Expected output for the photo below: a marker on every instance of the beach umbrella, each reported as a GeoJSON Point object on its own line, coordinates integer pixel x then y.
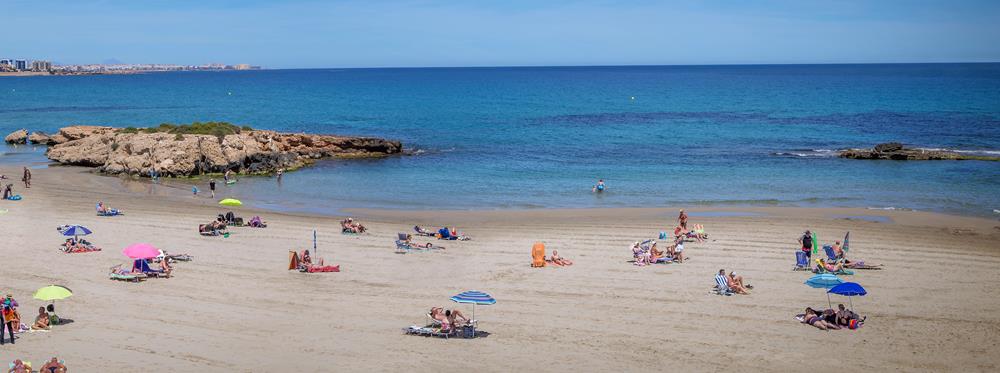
{"type": "Point", "coordinates": [849, 290]}
{"type": "Point", "coordinates": [824, 281]}
{"type": "Point", "coordinates": [53, 292]}
{"type": "Point", "coordinates": [815, 244]}
{"type": "Point", "coordinates": [230, 202]}
{"type": "Point", "coordinates": [76, 230]}
{"type": "Point", "coordinates": [474, 297]}
{"type": "Point", "coordinates": [846, 247]}
{"type": "Point", "coordinates": [141, 251]}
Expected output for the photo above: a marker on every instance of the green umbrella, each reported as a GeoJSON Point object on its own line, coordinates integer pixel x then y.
{"type": "Point", "coordinates": [53, 292]}
{"type": "Point", "coordinates": [230, 202]}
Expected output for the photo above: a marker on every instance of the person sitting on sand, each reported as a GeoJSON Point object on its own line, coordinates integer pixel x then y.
{"type": "Point", "coordinates": [844, 316]}
{"type": "Point", "coordinates": [42, 320]}
{"type": "Point", "coordinates": [558, 260]}
{"type": "Point", "coordinates": [349, 226]}
{"type": "Point", "coordinates": [53, 366]}
{"type": "Point", "coordinates": [813, 318]}
{"type": "Point", "coordinates": [454, 315]}
{"type": "Point", "coordinates": [101, 208]}
{"type": "Point", "coordinates": [641, 256]}
{"type": "Point", "coordinates": [736, 284]}
{"type": "Point", "coordinates": [53, 318]}
{"type": "Point", "coordinates": [165, 267]}
{"type": "Point", "coordinates": [654, 253]}
{"type": "Point", "coordinates": [18, 366]}
{"type": "Point", "coordinates": [306, 258]}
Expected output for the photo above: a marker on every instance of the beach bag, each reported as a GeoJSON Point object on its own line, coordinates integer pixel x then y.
{"type": "Point", "coordinates": [663, 235]}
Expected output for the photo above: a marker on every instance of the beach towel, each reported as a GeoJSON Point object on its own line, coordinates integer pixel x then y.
{"type": "Point", "coordinates": [314, 268]}
{"type": "Point", "coordinates": [538, 255]}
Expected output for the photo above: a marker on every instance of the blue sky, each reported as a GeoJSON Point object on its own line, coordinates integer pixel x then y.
{"type": "Point", "coordinates": [378, 33]}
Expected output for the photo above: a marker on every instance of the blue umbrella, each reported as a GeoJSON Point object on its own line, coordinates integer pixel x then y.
{"type": "Point", "coordinates": [825, 281]}
{"type": "Point", "coordinates": [474, 297]}
{"type": "Point", "coordinates": [76, 230]}
{"type": "Point", "coordinates": [849, 290]}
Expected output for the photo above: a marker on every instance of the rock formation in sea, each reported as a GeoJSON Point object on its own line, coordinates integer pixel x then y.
{"type": "Point", "coordinates": [17, 137]}
{"type": "Point", "coordinates": [897, 151]}
{"type": "Point", "coordinates": [121, 151]}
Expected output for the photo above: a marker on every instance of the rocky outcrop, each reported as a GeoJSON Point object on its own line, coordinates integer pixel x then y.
{"type": "Point", "coordinates": [250, 152]}
{"type": "Point", "coordinates": [896, 151]}
{"type": "Point", "coordinates": [40, 138]}
{"type": "Point", "coordinates": [17, 137]}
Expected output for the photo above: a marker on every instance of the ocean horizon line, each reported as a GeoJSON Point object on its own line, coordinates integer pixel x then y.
{"type": "Point", "coordinates": [629, 65]}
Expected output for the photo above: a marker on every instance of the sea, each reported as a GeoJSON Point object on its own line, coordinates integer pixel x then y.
{"type": "Point", "coordinates": [541, 137]}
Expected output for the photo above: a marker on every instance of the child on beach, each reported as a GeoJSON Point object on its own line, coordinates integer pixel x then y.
{"type": "Point", "coordinates": [194, 190]}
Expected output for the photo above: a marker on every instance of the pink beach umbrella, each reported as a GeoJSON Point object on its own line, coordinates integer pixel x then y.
{"type": "Point", "coordinates": [141, 251]}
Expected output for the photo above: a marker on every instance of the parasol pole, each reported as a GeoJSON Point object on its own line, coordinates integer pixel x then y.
{"type": "Point", "coordinates": [315, 250]}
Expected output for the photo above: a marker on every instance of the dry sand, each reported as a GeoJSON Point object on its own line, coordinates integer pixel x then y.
{"type": "Point", "coordinates": [235, 308]}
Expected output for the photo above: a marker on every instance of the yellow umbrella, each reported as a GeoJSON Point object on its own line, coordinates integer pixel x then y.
{"type": "Point", "coordinates": [53, 292]}
{"type": "Point", "coordinates": [230, 202]}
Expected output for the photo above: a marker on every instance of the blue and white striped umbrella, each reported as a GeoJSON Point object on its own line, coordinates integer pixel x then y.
{"type": "Point", "coordinates": [76, 230]}
{"type": "Point", "coordinates": [474, 297]}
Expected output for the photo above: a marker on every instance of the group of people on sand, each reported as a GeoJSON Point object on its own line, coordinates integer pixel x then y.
{"type": "Point", "coordinates": [833, 264]}
{"type": "Point", "coordinates": [214, 228]}
{"type": "Point", "coordinates": [74, 245]}
{"type": "Point", "coordinates": [449, 319]}
{"type": "Point", "coordinates": [831, 319]}
{"type": "Point", "coordinates": [731, 284]}
{"type": "Point", "coordinates": [54, 365]}
{"type": "Point", "coordinates": [12, 323]}
{"type": "Point", "coordinates": [105, 210]}
{"type": "Point", "coordinates": [350, 226]}
{"type": "Point", "coordinates": [646, 252]}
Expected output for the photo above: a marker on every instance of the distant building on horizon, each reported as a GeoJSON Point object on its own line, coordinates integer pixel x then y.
{"type": "Point", "coordinates": [243, 66]}
{"type": "Point", "coordinates": [20, 65]}
{"type": "Point", "coordinates": [41, 66]}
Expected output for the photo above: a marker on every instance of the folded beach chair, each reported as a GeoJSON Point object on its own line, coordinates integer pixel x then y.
{"type": "Point", "coordinates": [801, 261]}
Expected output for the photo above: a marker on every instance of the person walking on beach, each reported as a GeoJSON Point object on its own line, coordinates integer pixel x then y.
{"type": "Point", "coordinates": [211, 186]}
{"type": "Point", "coordinates": [194, 190]}
{"type": "Point", "coordinates": [10, 319]}
{"type": "Point", "coordinates": [807, 243]}
{"type": "Point", "coordinates": [682, 220]}
{"type": "Point", "coordinates": [26, 178]}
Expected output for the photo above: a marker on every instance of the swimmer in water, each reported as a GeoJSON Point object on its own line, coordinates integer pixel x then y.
{"type": "Point", "coordinates": [599, 187]}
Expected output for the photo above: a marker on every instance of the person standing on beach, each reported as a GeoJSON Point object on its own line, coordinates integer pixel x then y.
{"type": "Point", "coordinates": [211, 186]}
{"type": "Point", "coordinates": [682, 220]}
{"type": "Point", "coordinates": [10, 319]}
{"type": "Point", "coordinates": [26, 178]}
{"type": "Point", "coordinates": [807, 243]}
{"type": "Point", "coordinates": [194, 190]}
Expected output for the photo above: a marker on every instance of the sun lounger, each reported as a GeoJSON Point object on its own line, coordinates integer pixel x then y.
{"type": "Point", "coordinates": [830, 254]}
{"type": "Point", "coordinates": [117, 273]}
{"type": "Point", "coordinates": [721, 286]}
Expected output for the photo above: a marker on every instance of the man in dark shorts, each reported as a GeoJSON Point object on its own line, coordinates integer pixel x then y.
{"type": "Point", "coordinates": [211, 186]}
{"type": "Point", "coordinates": [807, 243]}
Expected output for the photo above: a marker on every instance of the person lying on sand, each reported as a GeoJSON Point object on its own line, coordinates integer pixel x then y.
{"type": "Point", "coordinates": [831, 267]}
{"type": "Point", "coordinates": [42, 320]}
{"type": "Point", "coordinates": [558, 260]}
{"type": "Point", "coordinates": [736, 284]}
{"type": "Point", "coordinates": [813, 318]}
{"type": "Point", "coordinates": [101, 208]}
{"type": "Point", "coordinates": [448, 318]}
{"type": "Point", "coordinates": [53, 366]}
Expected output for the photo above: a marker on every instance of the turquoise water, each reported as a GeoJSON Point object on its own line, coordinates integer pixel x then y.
{"type": "Point", "coordinates": [540, 137]}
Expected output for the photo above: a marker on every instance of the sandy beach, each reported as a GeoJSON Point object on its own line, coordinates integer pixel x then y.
{"type": "Point", "coordinates": [235, 307]}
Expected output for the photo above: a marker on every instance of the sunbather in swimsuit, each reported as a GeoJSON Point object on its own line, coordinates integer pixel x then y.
{"type": "Point", "coordinates": [831, 267]}
{"type": "Point", "coordinates": [736, 284]}
{"type": "Point", "coordinates": [558, 260]}
{"type": "Point", "coordinates": [53, 366]}
{"type": "Point", "coordinates": [42, 320]}
{"type": "Point", "coordinates": [654, 254]}
{"type": "Point", "coordinates": [813, 318]}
